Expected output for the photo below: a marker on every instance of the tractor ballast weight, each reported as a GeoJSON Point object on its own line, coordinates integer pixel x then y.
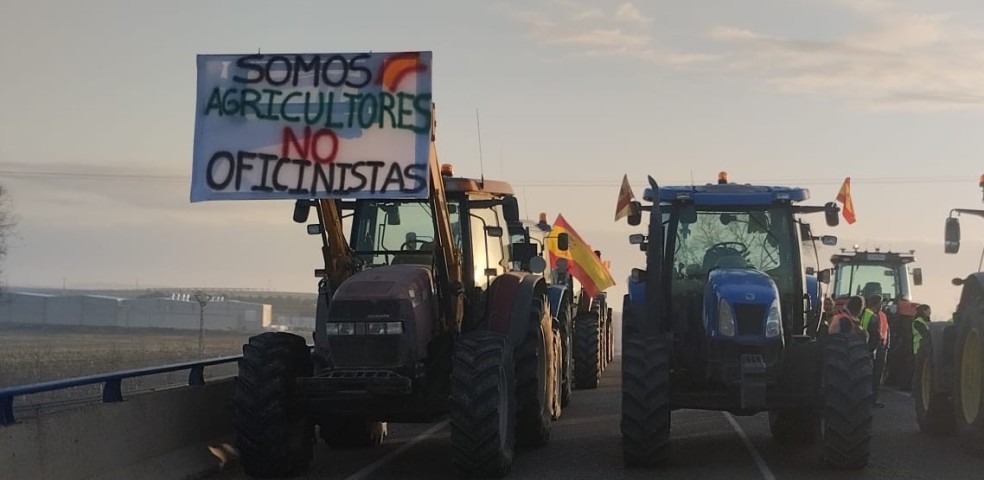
{"type": "Point", "coordinates": [717, 321]}
{"type": "Point", "coordinates": [418, 316]}
{"type": "Point", "coordinates": [948, 385]}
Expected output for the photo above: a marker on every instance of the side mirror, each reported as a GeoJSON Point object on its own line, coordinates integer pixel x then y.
{"type": "Point", "coordinates": [828, 240]}
{"type": "Point", "coordinates": [635, 214]}
{"type": "Point", "coordinates": [831, 213]}
{"type": "Point", "coordinates": [392, 215]}
{"type": "Point", "coordinates": [823, 276]}
{"type": "Point", "coordinates": [636, 239]}
{"type": "Point", "coordinates": [917, 276]}
{"type": "Point", "coordinates": [951, 235]}
{"type": "Point", "coordinates": [493, 231]}
{"type": "Point", "coordinates": [510, 209]}
{"type": "Point", "coordinates": [314, 229]}
{"type": "Point", "coordinates": [301, 210]}
{"type": "Point", "coordinates": [563, 241]}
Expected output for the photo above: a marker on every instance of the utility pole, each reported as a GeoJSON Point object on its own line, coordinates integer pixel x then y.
{"type": "Point", "coordinates": [203, 299]}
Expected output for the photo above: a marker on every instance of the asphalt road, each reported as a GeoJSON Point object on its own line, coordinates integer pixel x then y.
{"type": "Point", "coordinates": [585, 444]}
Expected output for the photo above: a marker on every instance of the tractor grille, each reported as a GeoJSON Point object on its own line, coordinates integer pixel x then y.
{"type": "Point", "coordinates": [365, 350]}
{"type": "Point", "coordinates": [750, 318]}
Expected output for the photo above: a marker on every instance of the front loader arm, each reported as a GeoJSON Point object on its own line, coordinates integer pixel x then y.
{"type": "Point", "coordinates": [338, 257]}
{"type": "Point", "coordinates": [448, 255]}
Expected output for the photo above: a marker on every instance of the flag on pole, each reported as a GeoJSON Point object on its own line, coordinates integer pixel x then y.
{"type": "Point", "coordinates": [583, 264]}
{"type": "Point", "coordinates": [844, 196]}
{"type": "Point", "coordinates": [625, 196]}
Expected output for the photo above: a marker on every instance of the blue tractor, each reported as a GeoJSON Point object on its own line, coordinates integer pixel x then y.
{"type": "Point", "coordinates": [719, 319]}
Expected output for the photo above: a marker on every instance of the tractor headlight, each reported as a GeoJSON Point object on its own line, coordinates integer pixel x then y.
{"type": "Point", "coordinates": [340, 328]}
{"type": "Point", "coordinates": [726, 319]}
{"type": "Point", "coordinates": [384, 328]}
{"type": "Point", "coordinates": [773, 323]}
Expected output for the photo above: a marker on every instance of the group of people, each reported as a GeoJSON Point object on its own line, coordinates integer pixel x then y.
{"type": "Point", "coordinates": [866, 316]}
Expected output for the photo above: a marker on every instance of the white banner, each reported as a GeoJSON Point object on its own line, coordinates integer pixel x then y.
{"type": "Point", "coordinates": [284, 126]}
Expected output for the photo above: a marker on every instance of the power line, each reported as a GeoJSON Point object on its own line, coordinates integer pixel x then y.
{"type": "Point", "coordinates": [151, 177]}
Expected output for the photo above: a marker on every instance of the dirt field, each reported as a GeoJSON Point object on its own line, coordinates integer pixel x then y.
{"type": "Point", "coordinates": [37, 354]}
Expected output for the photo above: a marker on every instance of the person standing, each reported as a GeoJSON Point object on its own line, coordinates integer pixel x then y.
{"type": "Point", "coordinates": [848, 320]}
{"type": "Point", "coordinates": [875, 322]}
{"type": "Point", "coordinates": [920, 327]}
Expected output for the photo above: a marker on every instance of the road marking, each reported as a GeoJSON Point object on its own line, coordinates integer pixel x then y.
{"type": "Point", "coordinates": [759, 461]}
{"type": "Point", "coordinates": [899, 392]}
{"type": "Point", "coordinates": [372, 467]}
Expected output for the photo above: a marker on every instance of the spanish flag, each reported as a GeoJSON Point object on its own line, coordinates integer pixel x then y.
{"type": "Point", "coordinates": [844, 196]}
{"type": "Point", "coordinates": [625, 196]}
{"type": "Point", "coordinates": [584, 265]}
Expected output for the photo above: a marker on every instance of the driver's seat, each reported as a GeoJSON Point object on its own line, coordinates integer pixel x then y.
{"type": "Point", "coordinates": [723, 258]}
{"type": "Point", "coordinates": [425, 257]}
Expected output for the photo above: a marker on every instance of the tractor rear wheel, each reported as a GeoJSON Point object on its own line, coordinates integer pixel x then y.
{"type": "Point", "coordinates": [610, 341]}
{"type": "Point", "coordinates": [645, 399]}
{"type": "Point", "coordinates": [532, 372]}
{"type": "Point", "coordinates": [274, 434]}
{"type": "Point", "coordinates": [848, 400]}
{"type": "Point", "coordinates": [587, 355]}
{"type": "Point", "coordinates": [352, 432]}
{"type": "Point", "coordinates": [968, 395]}
{"type": "Point", "coordinates": [934, 411]}
{"type": "Point", "coordinates": [567, 355]}
{"type": "Point", "coordinates": [483, 405]}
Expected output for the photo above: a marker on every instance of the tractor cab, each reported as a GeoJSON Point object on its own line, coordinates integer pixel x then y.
{"type": "Point", "coordinates": [866, 273]}
{"type": "Point", "coordinates": [727, 277]}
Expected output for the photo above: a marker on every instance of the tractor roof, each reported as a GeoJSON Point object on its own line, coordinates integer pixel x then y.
{"type": "Point", "coordinates": [889, 258]}
{"type": "Point", "coordinates": [729, 194]}
{"type": "Point", "coordinates": [471, 185]}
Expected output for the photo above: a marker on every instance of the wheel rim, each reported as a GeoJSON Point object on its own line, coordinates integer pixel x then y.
{"type": "Point", "coordinates": [970, 377]}
{"type": "Point", "coordinates": [926, 385]}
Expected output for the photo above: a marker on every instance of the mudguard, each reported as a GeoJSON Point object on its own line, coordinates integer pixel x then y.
{"type": "Point", "coordinates": [973, 288]}
{"type": "Point", "coordinates": [509, 299]}
{"type": "Point", "coordinates": [942, 337]}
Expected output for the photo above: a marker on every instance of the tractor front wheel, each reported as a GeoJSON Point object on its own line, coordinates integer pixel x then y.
{"type": "Point", "coordinates": [274, 434]}
{"type": "Point", "coordinates": [848, 399]}
{"type": "Point", "coordinates": [483, 405]}
{"type": "Point", "coordinates": [645, 399]}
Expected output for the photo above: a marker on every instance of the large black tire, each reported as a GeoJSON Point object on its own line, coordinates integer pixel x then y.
{"type": "Point", "coordinates": [533, 415]}
{"type": "Point", "coordinates": [483, 405]}
{"type": "Point", "coordinates": [274, 434]}
{"type": "Point", "coordinates": [567, 356]}
{"type": "Point", "coordinates": [848, 399]}
{"type": "Point", "coordinates": [352, 432]}
{"type": "Point", "coordinates": [610, 341]}
{"type": "Point", "coordinates": [934, 411]}
{"type": "Point", "coordinates": [587, 354]}
{"type": "Point", "coordinates": [557, 408]}
{"type": "Point", "coordinates": [968, 394]}
{"type": "Point", "coordinates": [645, 421]}
{"type": "Point", "coordinates": [795, 426]}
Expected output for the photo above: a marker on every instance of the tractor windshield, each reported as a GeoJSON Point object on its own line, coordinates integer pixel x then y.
{"type": "Point", "coordinates": [865, 280]}
{"type": "Point", "coordinates": [759, 239]}
{"type": "Point", "coordinates": [397, 232]}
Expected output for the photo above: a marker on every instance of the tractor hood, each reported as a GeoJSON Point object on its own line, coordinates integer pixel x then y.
{"type": "Point", "coordinates": [395, 282]}
{"type": "Point", "coordinates": [750, 294]}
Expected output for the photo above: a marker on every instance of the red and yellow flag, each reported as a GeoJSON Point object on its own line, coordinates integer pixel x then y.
{"type": "Point", "coordinates": [625, 196]}
{"type": "Point", "coordinates": [583, 264]}
{"type": "Point", "coordinates": [844, 196]}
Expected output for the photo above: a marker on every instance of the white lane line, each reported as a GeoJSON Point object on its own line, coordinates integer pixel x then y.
{"type": "Point", "coordinates": [372, 467]}
{"type": "Point", "coordinates": [899, 392]}
{"type": "Point", "coordinates": [759, 461]}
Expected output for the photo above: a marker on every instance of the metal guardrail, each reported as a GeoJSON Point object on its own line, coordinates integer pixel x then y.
{"type": "Point", "coordinates": [112, 383]}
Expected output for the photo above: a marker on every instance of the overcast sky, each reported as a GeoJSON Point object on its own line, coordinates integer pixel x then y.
{"type": "Point", "coordinates": [98, 111]}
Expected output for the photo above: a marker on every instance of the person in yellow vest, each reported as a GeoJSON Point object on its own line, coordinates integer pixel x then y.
{"type": "Point", "coordinates": [847, 320]}
{"type": "Point", "coordinates": [875, 322]}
